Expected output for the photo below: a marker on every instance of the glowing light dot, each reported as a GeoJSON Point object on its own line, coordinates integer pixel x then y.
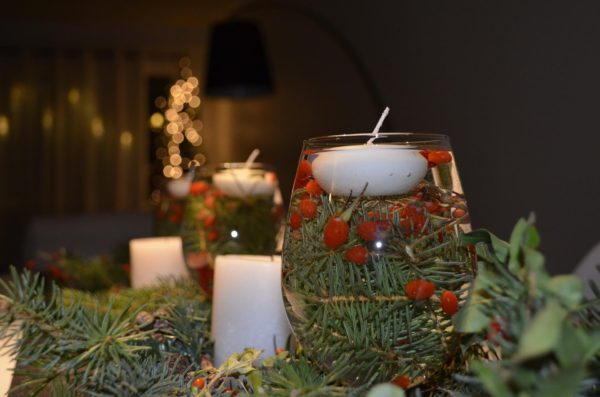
{"type": "Point", "coordinates": [195, 101]}
{"type": "Point", "coordinates": [186, 72]}
{"type": "Point", "coordinates": [378, 244]}
{"type": "Point", "coordinates": [175, 159]}
{"type": "Point", "coordinates": [178, 138]}
{"type": "Point", "coordinates": [234, 234]}
{"type": "Point", "coordinates": [126, 138]}
{"type": "Point", "coordinates": [156, 120]}
{"type": "Point", "coordinates": [97, 127]}
{"type": "Point", "coordinates": [4, 126]}
{"type": "Point", "coordinates": [184, 62]}
{"type": "Point", "coordinates": [174, 149]}
{"type": "Point", "coordinates": [167, 170]}
{"type": "Point", "coordinates": [176, 172]}
{"type": "Point", "coordinates": [73, 96]}
{"type": "Point", "coordinates": [172, 128]}
{"type": "Point", "coordinates": [160, 102]}
{"type": "Point", "coordinates": [171, 115]}
{"type": "Point", "coordinates": [47, 119]}
{"type": "Point", "coordinates": [200, 158]}
{"type": "Point", "coordinates": [193, 81]}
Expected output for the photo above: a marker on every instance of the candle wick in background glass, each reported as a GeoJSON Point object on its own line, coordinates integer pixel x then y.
{"type": "Point", "coordinates": [251, 158]}
{"type": "Point", "coordinates": [386, 111]}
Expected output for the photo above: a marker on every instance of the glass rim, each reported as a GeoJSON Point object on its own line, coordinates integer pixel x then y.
{"type": "Point", "coordinates": [411, 138]}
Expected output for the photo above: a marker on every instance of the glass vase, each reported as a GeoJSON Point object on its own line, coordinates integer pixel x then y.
{"type": "Point", "coordinates": [231, 210]}
{"type": "Point", "coordinates": [374, 267]}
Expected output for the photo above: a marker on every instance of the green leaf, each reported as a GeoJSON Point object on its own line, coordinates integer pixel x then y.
{"type": "Point", "coordinates": [564, 383]}
{"type": "Point", "coordinates": [543, 334]}
{"type": "Point", "coordinates": [573, 348]}
{"type": "Point", "coordinates": [491, 379]}
{"type": "Point", "coordinates": [516, 241]}
{"type": "Point", "coordinates": [500, 247]}
{"type": "Point", "coordinates": [386, 390]}
{"type": "Point", "coordinates": [567, 289]}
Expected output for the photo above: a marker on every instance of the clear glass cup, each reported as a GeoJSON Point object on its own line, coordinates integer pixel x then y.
{"type": "Point", "coordinates": [373, 264]}
{"type": "Point", "coordinates": [231, 210]}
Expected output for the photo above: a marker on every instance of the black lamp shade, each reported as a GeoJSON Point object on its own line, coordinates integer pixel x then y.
{"type": "Point", "coordinates": [237, 64]}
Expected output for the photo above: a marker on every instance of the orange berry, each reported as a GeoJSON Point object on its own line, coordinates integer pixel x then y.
{"type": "Point", "coordinates": [308, 208]}
{"type": "Point", "coordinates": [295, 221]}
{"type": "Point", "coordinates": [458, 213]}
{"type": "Point", "coordinates": [199, 187]}
{"type": "Point", "coordinates": [438, 157]}
{"type": "Point", "coordinates": [303, 174]}
{"type": "Point", "coordinates": [313, 188]}
{"type": "Point", "coordinates": [358, 255]}
{"type": "Point", "coordinates": [198, 383]}
{"type": "Point", "coordinates": [449, 302]}
{"type": "Point", "coordinates": [335, 232]}
{"type": "Point", "coordinates": [402, 381]}
{"type": "Point", "coordinates": [419, 289]}
{"type": "Point", "coordinates": [213, 235]}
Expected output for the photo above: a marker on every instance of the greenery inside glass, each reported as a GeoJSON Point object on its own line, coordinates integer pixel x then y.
{"type": "Point", "coordinates": [373, 263]}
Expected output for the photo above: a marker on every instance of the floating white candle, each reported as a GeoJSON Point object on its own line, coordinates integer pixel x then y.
{"type": "Point", "coordinates": [156, 258]}
{"type": "Point", "coordinates": [244, 182]}
{"type": "Point", "coordinates": [248, 305]}
{"type": "Point", "coordinates": [388, 169]}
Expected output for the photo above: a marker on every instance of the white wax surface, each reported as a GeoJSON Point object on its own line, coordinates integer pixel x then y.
{"type": "Point", "coordinates": [156, 258]}
{"type": "Point", "coordinates": [179, 188]}
{"type": "Point", "coordinates": [244, 182]}
{"type": "Point", "coordinates": [248, 306]}
{"type": "Point", "coordinates": [388, 169]}
{"type": "Point", "coordinates": [7, 364]}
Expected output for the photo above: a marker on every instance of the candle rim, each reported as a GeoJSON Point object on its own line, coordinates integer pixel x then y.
{"type": "Point", "coordinates": [418, 139]}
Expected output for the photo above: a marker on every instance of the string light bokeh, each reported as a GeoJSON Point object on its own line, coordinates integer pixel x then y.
{"type": "Point", "coordinates": [179, 124]}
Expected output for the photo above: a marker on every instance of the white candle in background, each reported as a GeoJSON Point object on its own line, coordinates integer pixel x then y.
{"type": "Point", "coordinates": [244, 182]}
{"type": "Point", "coordinates": [156, 258]}
{"type": "Point", "coordinates": [388, 169]}
{"type": "Point", "coordinates": [248, 306]}
{"type": "Point", "coordinates": [7, 362]}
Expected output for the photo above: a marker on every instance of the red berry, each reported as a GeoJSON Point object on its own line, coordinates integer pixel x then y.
{"type": "Point", "coordinates": [295, 221]}
{"type": "Point", "coordinates": [335, 232]}
{"type": "Point", "coordinates": [279, 350]}
{"type": "Point", "coordinates": [213, 235]}
{"type": "Point", "coordinates": [439, 157]}
{"type": "Point", "coordinates": [413, 219]}
{"type": "Point", "coordinates": [198, 383]}
{"type": "Point", "coordinates": [303, 174]}
{"type": "Point", "coordinates": [432, 206]}
{"type": "Point", "coordinates": [308, 208]}
{"type": "Point", "coordinates": [199, 187]}
{"type": "Point", "coordinates": [419, 289]}
{"type": "Point", "coordinates": [458, 213]}
{"type": "Point", "coordinates": [371, 231]}
{"type": "Point", "coordinates": [402, 381]}
{"type": "Point", "coordinates": [358, 255]}
{"type": "Point", "coordinates": [313, 188]}
{"type": "Point", "coordinates": [449, 302]}
{"type": "Point", "coordinates": [209, 221]}
{"type": "Point", "coordinates": [210, 201]}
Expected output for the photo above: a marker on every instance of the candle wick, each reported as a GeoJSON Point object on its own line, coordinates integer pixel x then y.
{"type": "Point", "coordinates": [251, 158]}
{"type": "Point", "coordinates": [386, 111]}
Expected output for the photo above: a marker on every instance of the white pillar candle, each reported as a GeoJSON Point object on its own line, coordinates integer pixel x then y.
{"type": "Point", "coordinates": [388, 169]}
{"type": "Point", "coordinates": [248, 306]}
{"type": "Point", "coordinates": [156, 258]}
{"type": "Point", "coordinates": [243, 182]}
{"type": "Point", "coordinates": [7, 361]}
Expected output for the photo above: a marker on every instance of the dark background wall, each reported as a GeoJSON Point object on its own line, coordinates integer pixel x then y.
{"type": "Point", "coordinates": [514, 83]}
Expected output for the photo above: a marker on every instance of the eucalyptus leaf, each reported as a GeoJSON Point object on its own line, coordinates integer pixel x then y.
{"type": "Point", "coordinates": [568, 289]}
{"type": "Point", "coordinates": [386, 390]}
{"type": "Point", "coordinates": [516, 242]}
{"type": "Point", "coordinates": [492, 380]}
{"type": "Point", "coordinates": [573, 347]}
{"type": "Point", "coordinates": [543, 333]}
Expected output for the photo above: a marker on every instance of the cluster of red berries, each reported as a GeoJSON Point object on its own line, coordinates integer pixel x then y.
{"type": "Point", "coordinates": [207, 214]}
{"type": "Point", "coordinates": [436, 157]}
{"type": "Point", "coordinates": [421, 289]}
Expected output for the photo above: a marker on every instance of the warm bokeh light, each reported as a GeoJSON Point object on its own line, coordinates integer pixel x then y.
{"type": "Point", "coordinates": [126, 138]}
{"type": "Point", "coordinates": [73, 96]}
{"type": "Point", "coordinates": [97, 127]}
{"type": "Point", "coordinates": [47, 119]}
{"type": "Point", "coordinates": [156, 120]}
{"type": "Point", "coordinates": [4, 126]}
